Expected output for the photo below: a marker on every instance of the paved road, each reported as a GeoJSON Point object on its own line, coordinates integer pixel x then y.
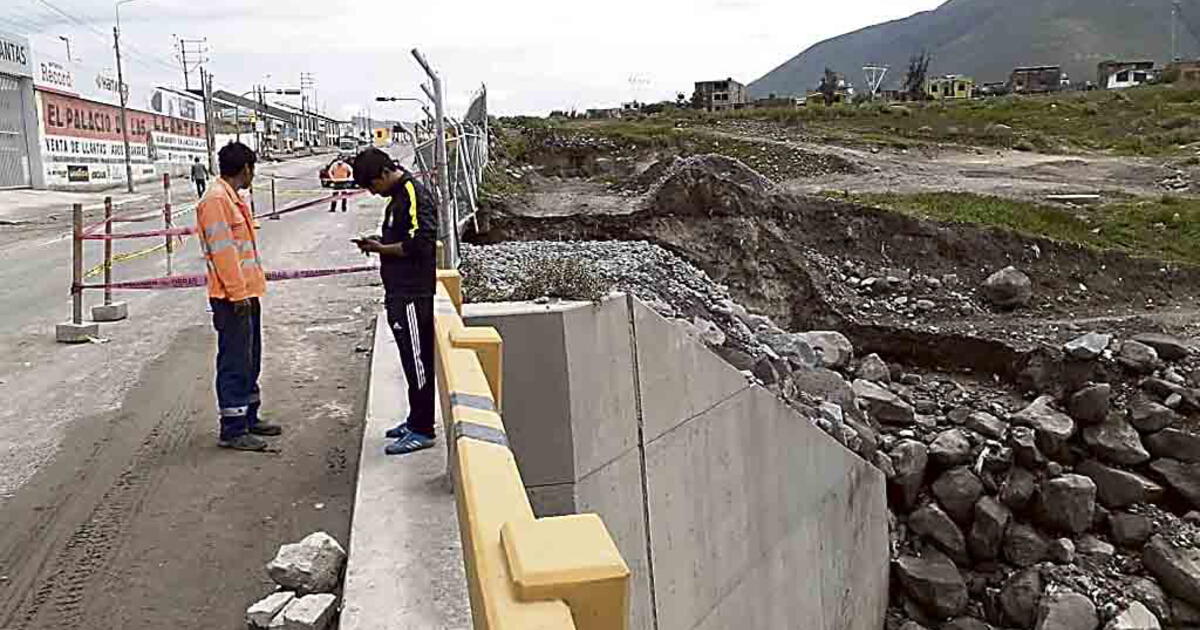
{"type": "Point", "coordinates": [116, 509]}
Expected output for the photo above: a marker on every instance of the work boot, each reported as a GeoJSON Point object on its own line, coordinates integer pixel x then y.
{"type": "Point", "coordinates": [263, 427]}
{"type": "Point", "coordinates": [244, 442]}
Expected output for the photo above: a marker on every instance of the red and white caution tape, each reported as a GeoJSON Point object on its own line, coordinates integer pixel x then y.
{"type": "Point", "coordinates": [193, 281]}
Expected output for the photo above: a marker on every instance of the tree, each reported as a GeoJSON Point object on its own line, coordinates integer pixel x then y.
{"type": "Point", "coordinates": [680, 99]}
{"type": "Point", "coordinates": [829, 86]}
{"type": "Point", "coordinates": [914, 79]}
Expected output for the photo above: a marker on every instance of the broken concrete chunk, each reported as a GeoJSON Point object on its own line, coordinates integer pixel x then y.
{"type": "Point", "coordinates": [1087, 347]}
{"type": "Point", "coordinates": [260, 613]}
{"type": "Point", "coordinates": [313, 565]}
{"type": "Point", "coordinates": [311, 612]}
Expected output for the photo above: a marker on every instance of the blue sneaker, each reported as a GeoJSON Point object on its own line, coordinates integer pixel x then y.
{"type": "Point", "coordinates": [397, 432]}
{"type": "Point", "coordinates": [410, 443]}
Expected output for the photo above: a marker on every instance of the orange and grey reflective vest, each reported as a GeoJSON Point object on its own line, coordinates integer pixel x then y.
{"type": "Point", "coordinates": [225, 229]}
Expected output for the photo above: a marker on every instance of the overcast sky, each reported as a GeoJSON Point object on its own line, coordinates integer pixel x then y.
{"type": "Point", "coordinates": [534, 55]}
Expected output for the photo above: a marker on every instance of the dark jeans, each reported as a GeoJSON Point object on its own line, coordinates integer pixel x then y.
{"type": "Point", "coordinates": [200, 185]}
{"type": "Point", "coordinates": [333, 204]}
{"type": "Point", "coordinates": [239, 361]}
{"type": "Point", "coordinates": [411, 321]}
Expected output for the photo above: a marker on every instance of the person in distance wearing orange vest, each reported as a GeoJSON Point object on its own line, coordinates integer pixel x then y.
{"type": "Point", "coordinates": [235, 283]}
{"type": "Point", "coordinates": [341, 176]}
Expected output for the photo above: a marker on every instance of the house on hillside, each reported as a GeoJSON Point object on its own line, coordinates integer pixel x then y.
{"type": "Point", "coordinates": [1118, 75]}
{"type": "Point", "coordinates": [716, 96]}
{"type": "Point", "coordinates": [604, 113]}
{"type": "Point", "coordinates": [1183, 72]}
{"type": "Point", "coordinates": [950, 87]}
{"type": "Point", "coordinates": [1037, 79]}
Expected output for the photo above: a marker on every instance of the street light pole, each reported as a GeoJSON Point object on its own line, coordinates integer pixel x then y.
{"type": "Point", "coordinates": [68, 41]}
{"type": "Point", "coordinates": [449, 224]}
{"type": "Point", "coordinates": [123, 93]}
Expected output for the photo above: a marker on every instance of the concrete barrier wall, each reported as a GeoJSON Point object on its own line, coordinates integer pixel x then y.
{"type": "Point", "coordinates": [730, 509]}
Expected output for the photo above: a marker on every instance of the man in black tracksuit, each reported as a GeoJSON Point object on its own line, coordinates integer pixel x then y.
{"type": "Point", "coordinates": [406, 248]}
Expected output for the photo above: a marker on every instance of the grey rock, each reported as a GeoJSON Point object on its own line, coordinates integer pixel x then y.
{"type": "Point", "coordinates": [260, 613]}
{"type": "Point", "coordinates": [313, 565]}
{"type": "Point", "coordinates": [950, 448]}
{"type": "Point", "coordinates": [740, 360]}
{"type": "Point", "coordinates": [1130, 530]}
{"type": "Point", "coordinates": [1174, 401]}
{"type": "Point", "coordinates": [765, 371]}
{"type": "Point", "coordinates": [882, 405]}
{"type": "Point", "coordinates": [933, 582]}
{"type": "Point", "coordinates": [912, 625]}
{"type": "Point", "coordinates": [1053, 428]}
{"type": "Point", "coordinates": [1090, 404]}
{"type": "Point", "coordinates": [1066, 610]}
{"type": "Point", "coordinates": [1183, 614]}
{"type": "Point", "coordinates": [1087, 347]}
{"type": "Point", "coordinates": [1138, 357]}
{"type": "Point", "coordinates": [987, 425]}
{"type": "Point", "coordinates": [1168, 347]}
{"type": "Point", "coordinates": [1020, 597]}
{"type": "Point", "coordinates": [708, 332]}
{"type": "Point", "coordinates": [834, 350]}
{"type": "Point", "coordinates": [1066, 504]}
{"type": "Point", "coordinates": [909, 459]}
{"type": "Point", "coordinates": [1136, 617]}
{"type": "Point", "coordinates": [1117, 488]}
{"type": "Point", "coordinates": [1008, 288]}
{"type": "Point", "coordinates": [957, 490]}
{"type": "Point", "coordinates": [875, 369]}
{"type": "Point", "coordinates": [1150, 417]}
{"type": "Point", "coordinates": [966, 623]}
{"type": "Point", "coordinates": [883, 462]}
{"type": "Point", "coordinates": [932, 523]}
{"type": "Point", "coordinates": [311, 612]}
{"type": "Point", "coordinates": [1062, 551]}
{"type": "Point", "coordinates": [1089, 545]}
{"type": "Point", "coordinates": [791, 346]}
{"type": "Point", "coordinates": [1148, 592]}
{"type": "Point", "coordinates": [1116, 441]}
{"type": "Point", "coordinates": [1177, 569]}
{"type": "Point", "coordinates": [1182, 477]}
{"type": "Point", "coordinates": [1018, 489]}
{"type": "Point", "coordinates": [1024, 546]}
{"type": "Point", "coordinates": [826, 385]}
{"type": "Point", "coordinates": [1023, 441]}
{"type": "Point", "coordinates": [1176, 444]}
{"type": "Point", "coordinates": [987, 532]}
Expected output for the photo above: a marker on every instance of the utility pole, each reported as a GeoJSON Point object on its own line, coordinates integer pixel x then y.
{"type": "Point", "coordinates": [198, 53]}
{"type": "Point", "coordinates": [124, 116]}
{"type": "Point", "coordinates": [210, 134]}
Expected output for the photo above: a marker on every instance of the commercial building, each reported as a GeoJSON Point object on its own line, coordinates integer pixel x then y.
{"type": "Point", "coordinates": [18, 113]}
{"type": "Point", "coordinates": [1036, 79]}
{"type": "Point", "coordinates": [951, 87]}
{"type": "Point", "coordinates": [1118, 75]}
{"type": "Point", "coordinates": [715, 96]}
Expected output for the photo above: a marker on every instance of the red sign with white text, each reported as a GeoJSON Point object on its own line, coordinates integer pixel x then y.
{"type": "Point", "coordinates": [77, 118]}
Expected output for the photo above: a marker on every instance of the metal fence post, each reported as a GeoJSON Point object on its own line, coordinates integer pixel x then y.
{"type": "Point", "coordinates": [167, 220]}
{"type": "Point", "coordinates": [449, 223]}
{"type": "Point", "coordinates": [274, 217]}
{"type": "Point", "coordinates": [77, 264]}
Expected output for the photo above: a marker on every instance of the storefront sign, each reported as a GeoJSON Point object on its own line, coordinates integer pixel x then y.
{"type": "Point", "coordinates": [14, 55]}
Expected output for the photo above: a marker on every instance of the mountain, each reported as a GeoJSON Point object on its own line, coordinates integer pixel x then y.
{"type": "Point", "coordinates": [986, 39]}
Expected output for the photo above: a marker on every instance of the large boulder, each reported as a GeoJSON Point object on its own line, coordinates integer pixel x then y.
{"type": "Point", "coordinates": [1018, 489]}
{"type": "Point", "coordinates": [1067, 503]}
{"type": "Point", "coordinates": [1066, 610]}
{"type": "Point", "coordinates": [1176, 444]}
{"type": "Point", "coordinates": [1087, 347]}
{"type": "Point", "coordinates": [987, 533]}
{"type": "Point", "coordinates": [933, 582]}
{"type": "Point", "coordinates": [1136, 617]}
{"type": "Point", "coordinates": [1052, 427]}
{"type": "Point", "coordinates": [957, 490]}
{"type": "Point", "coordinates": [1182, 477]}
{"type": "Point", "coordinates": [1008, 288]}
{"type": "Point", "coordinates": [1168, 347]}
{"type": "Point", "coordinates": [1116, 441]}
{"type": "Point", "coordinates": [882, 405]}
{"type": "Point", "coordinates": [1020, 597]}
{"type": "Point", "coordinates": [1117, 488]}
{"type": "Point", "coordinates": [833, 349]}
{"type": "Point", "coordinates": [1177, 569]}
{"type": "Point", "coordinates": [1148, 416]}
{"type": "Point", "coordinates": [1090, 404]}
{"type": "Point", "coordinates": [932, 523]}
{"type": "Point", "coordinates": [950, 448]}
{"type": "Point", "coordinates": [987, 425]}
{"type": "Point", "coordinates": [1130, 530]}
{"type": "Point", "coordinates": [875, 369]}
{"type": "Point", "coordinates": [313, 565]}
{"type": "Point", "coordinates": [1024, 546]}
{"type": "Point", "coordinates": [791, 346]}
{"type": "Point", "coordinates": [1138, 357]}
{"type": "Point", "coordinates": [909, 458]}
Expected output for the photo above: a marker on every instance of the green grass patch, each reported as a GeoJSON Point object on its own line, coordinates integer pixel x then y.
{"type": "Point", "coordinates": [1166, 228]}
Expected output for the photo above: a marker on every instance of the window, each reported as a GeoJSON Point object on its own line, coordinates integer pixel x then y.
{"type": "Point", "coordinates": [1139, 77]}
{"type": "Point", "coordinates": [1123, 76]}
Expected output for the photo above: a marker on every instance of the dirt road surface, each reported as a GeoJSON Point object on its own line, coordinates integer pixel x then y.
{"type": "Point", "coordinates": [116, 508]}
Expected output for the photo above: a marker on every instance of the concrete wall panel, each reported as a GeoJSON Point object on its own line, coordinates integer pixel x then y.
{"type": "Point", "coordinates": [601, 374]}
{"type": "Point", "coordinates": [679, 377]}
